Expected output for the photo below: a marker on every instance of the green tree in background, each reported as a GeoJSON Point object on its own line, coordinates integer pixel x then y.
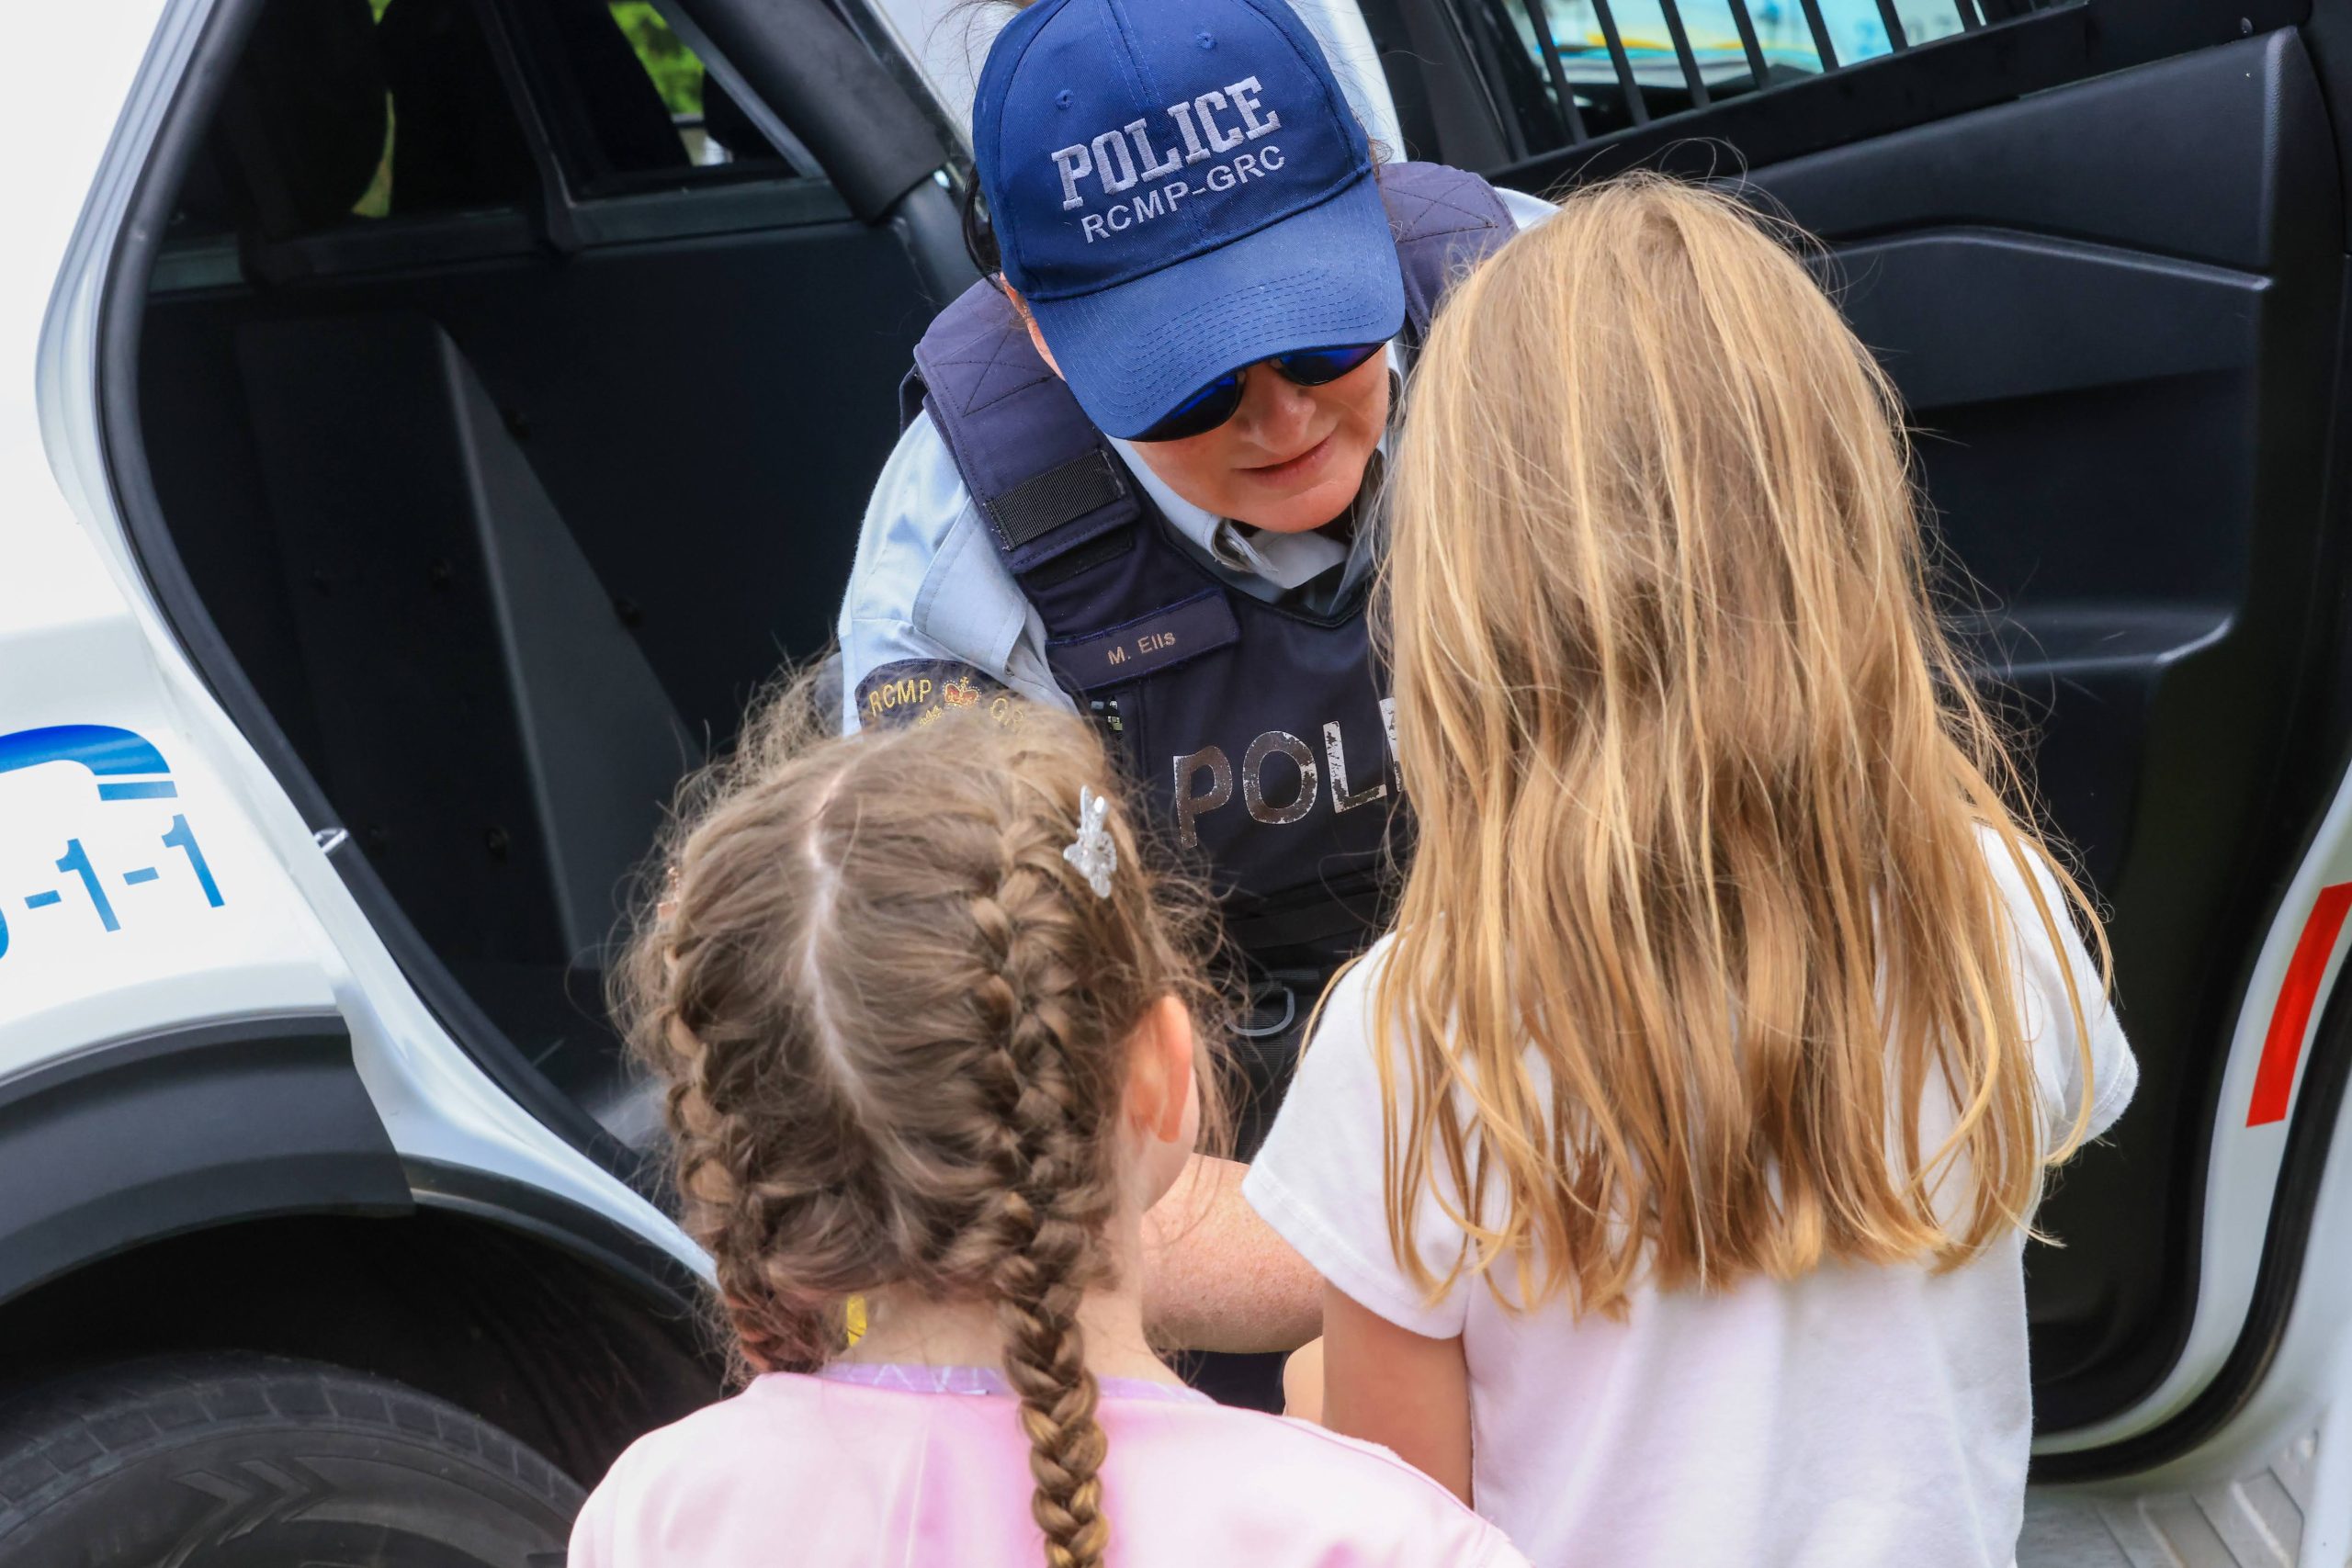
{"type": "Point", "coordinates": [676, 73]}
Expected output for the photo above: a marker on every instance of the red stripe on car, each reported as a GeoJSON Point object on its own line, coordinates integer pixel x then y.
{"type": "Point", "coordinates": [2274, 1080]}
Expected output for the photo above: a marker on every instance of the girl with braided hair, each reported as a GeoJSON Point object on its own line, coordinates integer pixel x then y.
{"type": "Point", "coordinates": [927, 1020]}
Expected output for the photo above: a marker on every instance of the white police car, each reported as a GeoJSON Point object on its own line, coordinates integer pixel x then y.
{"type": "Point", "coordinates": [427, 421]}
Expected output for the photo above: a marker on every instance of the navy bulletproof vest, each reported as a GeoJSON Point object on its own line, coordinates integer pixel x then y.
{"type": "Point", "coordinates": [1262, 734]}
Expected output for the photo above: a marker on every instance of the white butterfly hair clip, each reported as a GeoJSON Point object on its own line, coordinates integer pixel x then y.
{"type": "Point", "coordinates": [1095, 853]}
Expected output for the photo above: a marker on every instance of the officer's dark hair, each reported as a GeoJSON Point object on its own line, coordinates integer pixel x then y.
{"type": "Point", "coordinates": [979, 235]}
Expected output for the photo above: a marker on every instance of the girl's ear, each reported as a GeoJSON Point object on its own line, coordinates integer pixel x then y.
{"type": "Point", "coordinates": [1020, 309]}
{"type": "Point", "coordinates": [1160, 1070]}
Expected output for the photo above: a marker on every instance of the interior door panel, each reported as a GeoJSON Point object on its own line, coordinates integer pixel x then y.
{"type": "Point", "coordinates": [2112, 312]}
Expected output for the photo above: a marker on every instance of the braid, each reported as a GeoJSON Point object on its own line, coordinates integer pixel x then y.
{"type": "Point", "coordinates": [732, 1206]}
{"type": "Point", "coordinates": [892, 1021]}
{"type": "Point", "coordinates": [1053, 1200]}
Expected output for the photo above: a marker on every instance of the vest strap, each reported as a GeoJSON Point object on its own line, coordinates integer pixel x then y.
{"type": "Point", "coordinates": [1059, 495]}
{"type": "Point", "coordinates": [1445, 221]}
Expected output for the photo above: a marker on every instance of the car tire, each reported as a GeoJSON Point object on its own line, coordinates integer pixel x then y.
{"type": "Point", "coordinates": [253, 1462]}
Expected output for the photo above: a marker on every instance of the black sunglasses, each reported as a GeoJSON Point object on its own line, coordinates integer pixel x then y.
{"type": "Point", "coordinates": [1215, 403]}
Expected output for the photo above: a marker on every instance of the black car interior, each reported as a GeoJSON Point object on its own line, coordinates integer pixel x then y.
{"type": "Point", "coordinates": [509, 427]}
{"type": "Point", "coordinates": [505, 533]}
{"type": "Point", "coordinates": [2122, 353]}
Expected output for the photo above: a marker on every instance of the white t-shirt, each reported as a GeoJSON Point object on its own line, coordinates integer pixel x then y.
{"type": "Point", "coordinates": [1858, 1416]}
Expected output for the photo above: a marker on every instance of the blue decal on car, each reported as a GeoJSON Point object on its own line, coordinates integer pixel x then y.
{"type": "Point", "coordinates": [125, 766]}
{"type": "Point", "coordinates": [103, 750]}
{"type": "Point", "coordinates": [180, 839]}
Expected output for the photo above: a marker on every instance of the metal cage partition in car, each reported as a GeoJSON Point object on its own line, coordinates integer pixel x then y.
{"type": "Point", "coordinates": [1603, 78]}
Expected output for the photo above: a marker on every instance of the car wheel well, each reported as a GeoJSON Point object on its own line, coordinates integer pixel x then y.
{"type": "Point", "coordinates": [505, 1324]}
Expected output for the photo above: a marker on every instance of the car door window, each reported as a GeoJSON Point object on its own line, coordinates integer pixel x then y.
{"type": "Point", "coordinates": [350, 126]}
{"type": "Point", "coordinates": [631, 106]}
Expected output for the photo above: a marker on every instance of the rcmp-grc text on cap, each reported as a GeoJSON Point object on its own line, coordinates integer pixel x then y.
{"type": "Point", "coordinates": [1179, 189]}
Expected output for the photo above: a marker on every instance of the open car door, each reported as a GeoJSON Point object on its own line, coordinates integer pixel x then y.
{"type": "Point", "coordinates": [2102, 248]}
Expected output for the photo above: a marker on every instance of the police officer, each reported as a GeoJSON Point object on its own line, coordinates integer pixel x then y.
{"type": "Point", "coordinates": [1137, 459]}
{"type": "Point", "coordinates": [1134, 463]}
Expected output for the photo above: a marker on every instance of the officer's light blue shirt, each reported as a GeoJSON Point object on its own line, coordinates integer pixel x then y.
{"type": "Point", "coordinates": [928, 586]}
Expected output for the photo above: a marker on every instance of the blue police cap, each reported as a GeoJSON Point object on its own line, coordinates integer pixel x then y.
{"type": "Point", "coordinates": [1179, 189]}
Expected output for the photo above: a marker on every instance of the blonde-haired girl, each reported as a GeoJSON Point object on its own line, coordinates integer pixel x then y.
{"type": "Point", "coordinates": [926, 1018]}
{"type": "Point", "coordinates": [1670, 1164]}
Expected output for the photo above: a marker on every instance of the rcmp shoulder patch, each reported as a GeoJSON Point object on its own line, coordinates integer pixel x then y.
{"type": "Point", "coordinates": [917, 690]}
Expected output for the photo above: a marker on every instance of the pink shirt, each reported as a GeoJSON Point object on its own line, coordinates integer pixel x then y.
{"type": "Point", "coordinates": [886, 1473]}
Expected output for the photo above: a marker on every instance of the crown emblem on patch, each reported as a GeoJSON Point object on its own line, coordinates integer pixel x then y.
{"type": "Point", "coordinates": [960, 692]}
